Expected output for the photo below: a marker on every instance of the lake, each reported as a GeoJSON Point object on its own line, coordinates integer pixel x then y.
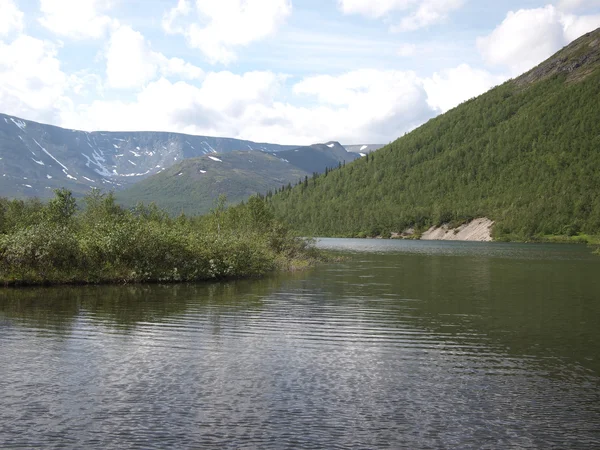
{"type": "Point", "coordinates": [404, 344]}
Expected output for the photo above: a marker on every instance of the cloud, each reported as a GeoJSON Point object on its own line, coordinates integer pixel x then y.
{"type": "Point", "coordinates": [76, 19]}
{"type": "Point", "coordinates": [11, 18]}
{"type": "Point", "coordinates": [576, 26]}
{"type": "Point", "coordinates": [216, 107]}
{"type": "Point", "coordinates": [131, 63]}
{"type": "Point", "coordinates": [429, 12]}
{"type": "Point", "coordinates": [170, 18]}
{"type": "Point", "coordinates": [529, 36]}
{"type": "Point", "coordinates": [226, 25]}
{"type": "Point", "coordinates": [421, 13]}
{"type": "Point", "coordinates": [32, 84]}
{"type": "Point", "coordinates": [377, 105]}
{"type": "Point", "coordinates": [356, 106]}
{"type": "Point", "coordinates": [451, 87]}
{"type": "Point", "coordinates": [578, 5]}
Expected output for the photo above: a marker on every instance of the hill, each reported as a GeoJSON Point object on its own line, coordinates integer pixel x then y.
{"type": "Point", "coordinates": [36, 158]}
{"type": "Point", "coordinates": [192, 186]}
{"type": "Point", "coordinates": [526, 154]}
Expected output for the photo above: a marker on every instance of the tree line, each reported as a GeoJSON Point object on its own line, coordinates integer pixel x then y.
{"type": "Point", "coordinates": [99, 242]}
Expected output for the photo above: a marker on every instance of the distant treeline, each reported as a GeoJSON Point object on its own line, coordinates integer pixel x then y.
{"type": "Point", "coordinates": [58, 242]}
{"type": "Point", "coordinates": [525, 155]}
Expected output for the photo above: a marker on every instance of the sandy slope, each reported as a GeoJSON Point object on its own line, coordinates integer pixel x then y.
{"type": "Point", "coordinates": [476, 230]}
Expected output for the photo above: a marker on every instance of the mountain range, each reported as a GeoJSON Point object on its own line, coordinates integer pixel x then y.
{"type": "Point", "coordinates": [193, 185]}
{"type": "Point", "coordinates": [36, 158]}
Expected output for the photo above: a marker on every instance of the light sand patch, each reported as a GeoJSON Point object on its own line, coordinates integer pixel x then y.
{"type": "Point", "coordinates": [476, 230]}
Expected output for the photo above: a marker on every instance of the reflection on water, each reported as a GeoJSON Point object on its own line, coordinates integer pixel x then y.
{"type": "Point", "coordinates": [403, 345]}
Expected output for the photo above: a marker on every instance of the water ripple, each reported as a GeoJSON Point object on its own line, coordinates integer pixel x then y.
{"type": "Point", "coordinates": [314, 361]}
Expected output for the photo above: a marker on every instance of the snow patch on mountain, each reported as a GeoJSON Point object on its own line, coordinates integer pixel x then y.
{"type": "Point", "coordinates": [48, 153]}
{"type": "Point", "coordinates": [210, 148]}
{"type": "Point", "coordinates": [100, 168]}
{"type": "Point", "coordinates": [22, 125]}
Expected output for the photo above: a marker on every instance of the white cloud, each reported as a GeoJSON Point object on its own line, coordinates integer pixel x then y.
{"type": "Point", "coordinates": [578, 5]}
{"type": "Point", "coordinates": [358, 106]}
{"type": "Point", "coordinates": [576, 26]}
{"type": "Point", "coordinates": [85, 83]}
{"type": "Point", "coordinates": [527, 37]}
{"type": "Point", "coordinates": [11, 18]}
{"type": "Point", "coordinates": [450, 87]}
{"type": "Point", "coordinates": [32, 84]}
{"type": "Point", "coordinates": [429, 12]}
{"type": "Point", "coordinates": [422, 13]}
{"type": "Point", "coordinates": [131, 63]}
{"type": "Point", "coordinates": [182, 9]}
{"type": "Point", "coordinates": [361, 105]}
{"type": "Point", "coordinates": [226, 25]}
{"type": "Point", "coordinates": [222, 105]}
{"type": "Point", "coordinates": [177, 67]}
{"type": "Point", "coordinates": [76, 19]}
{"type": "Point", "coordinates": [369, 104]}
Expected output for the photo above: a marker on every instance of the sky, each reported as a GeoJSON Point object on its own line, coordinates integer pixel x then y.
{"type": "Point", "coordinates": [279, 71]}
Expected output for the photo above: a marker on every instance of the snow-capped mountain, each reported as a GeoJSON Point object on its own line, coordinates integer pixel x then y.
{"type": "Point", "coordinates": [37, 158]}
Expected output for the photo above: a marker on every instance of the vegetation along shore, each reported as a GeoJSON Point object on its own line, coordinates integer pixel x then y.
{"type": "Point", "coordinates": [59, 243]}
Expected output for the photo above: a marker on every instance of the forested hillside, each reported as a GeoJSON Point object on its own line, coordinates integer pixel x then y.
{"type": "Point", "coordinates": [526, 154]}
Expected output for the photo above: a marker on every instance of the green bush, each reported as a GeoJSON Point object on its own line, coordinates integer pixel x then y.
{"type": "Point", "coordinates": [56, 243]}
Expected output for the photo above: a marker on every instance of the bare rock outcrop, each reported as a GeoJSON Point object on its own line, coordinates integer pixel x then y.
{"type": "Point", "coordinates": [476, 230]}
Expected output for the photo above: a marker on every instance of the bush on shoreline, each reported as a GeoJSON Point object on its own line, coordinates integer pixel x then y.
{"type": "Point", "coordinates": [57, 243]}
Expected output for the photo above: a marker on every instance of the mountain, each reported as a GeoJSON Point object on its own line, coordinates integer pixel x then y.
{"type": "Point", "coordinates": [192, 185]}
{"type": "Point", "coordinates": [316, 158]}
{"type": "Point", "coordinates": [526, 154]}
{"type": "Point", "coordinates": [364, 148]}
{"type": "Point", "coordinates": [37, 158]}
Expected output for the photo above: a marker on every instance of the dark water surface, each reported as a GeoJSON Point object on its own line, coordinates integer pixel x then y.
{"type": "Point", "coordinates": [402, 345]}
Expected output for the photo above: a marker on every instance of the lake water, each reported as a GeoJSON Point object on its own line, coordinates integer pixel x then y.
{"type": "Point", "coordinates": [402, 345]}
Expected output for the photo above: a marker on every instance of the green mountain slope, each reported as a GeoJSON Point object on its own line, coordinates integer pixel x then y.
{"type": "Point", "coordinates": [193, 185]}
{"type": "Point", "coordinates": [526, 154]}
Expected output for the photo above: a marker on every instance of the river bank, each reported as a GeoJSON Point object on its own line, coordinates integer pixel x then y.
{"type": "Point", "coordinates": [481, 230]}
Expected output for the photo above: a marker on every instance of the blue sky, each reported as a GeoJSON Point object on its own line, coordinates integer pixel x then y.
{"type": "Point", "coordinates": [286, 71]}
